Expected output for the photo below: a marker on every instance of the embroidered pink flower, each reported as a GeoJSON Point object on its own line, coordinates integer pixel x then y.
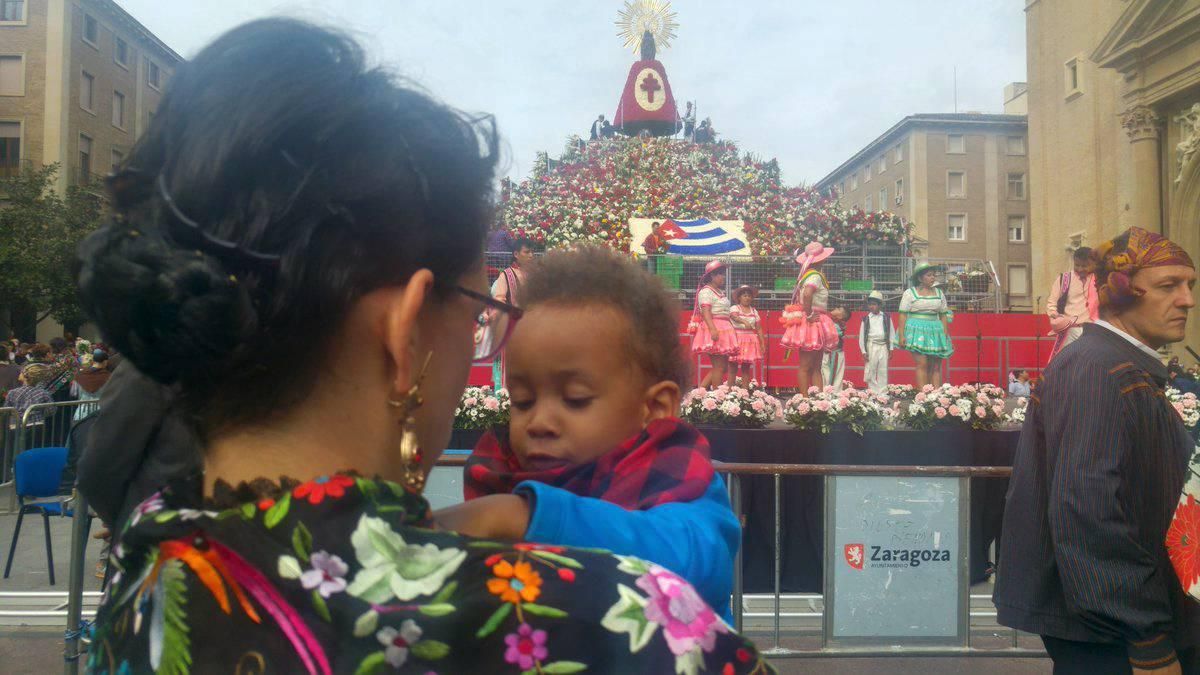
{"type": "Point", "coordinates": [526, 647]}
{"type": "Point", "coordinates": [940, 412]}
{"type": "Point", "coordinates": [153, 504]}
{"type": "Point", "coordinates": [687, 621]}
{"type": "Point", "coordinates": [328, 574]}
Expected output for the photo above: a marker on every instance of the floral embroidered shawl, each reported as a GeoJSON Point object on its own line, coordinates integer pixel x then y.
{"type": "Point", "coordinates": [341, 574]}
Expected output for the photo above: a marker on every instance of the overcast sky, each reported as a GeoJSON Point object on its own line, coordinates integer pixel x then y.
{"type": "Point", "coordinates": [808, 82]}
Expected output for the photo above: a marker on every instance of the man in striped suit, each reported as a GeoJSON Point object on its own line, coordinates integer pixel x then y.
{"type": "Point", "coordinates": [1098, 472]}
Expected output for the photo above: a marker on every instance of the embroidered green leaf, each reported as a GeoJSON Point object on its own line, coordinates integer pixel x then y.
{"type": "Point", "coordinates": [320, 607]}
{"type": "Point", "coordinates": [397, 489]}
{"type": "Point", "coordinates": [166, 516]}
{"type": "Point", "coordinates": [176, 645]}
{"type": "Point", "coordinates": [373, 663]}
{"type": "Point", "coordinates": [531, 671]}
{"type": "Point", "coordinates": [629, 616]}
{"type": "Point", "coordinates": [561, 560]}
{"type": "Point", "coordinates": [444, 594]}
{"type": "Point", "coordinates": [367, 488]}
{"type": "Point", "coordinates": [277, 512]}
{"type": "Point", "coordinates": [559, 667]}
{"type": "Point", "coordinates": [431, 650]}
{"type": "Point", "coordinates": [289, 567]}
{"type": "Point", "coordinates": [631, 565]}
{"type": "Point", "coordinates": [542, 610]}
{"type": "Point", "coordinates": [439, 609]}
{"type": "Point", "coordinates": [486, 544]}
{"type": "Point", "coordinates": [366, 624]}
{"type": "Point", "coordinates": [494, 622]}
{"type": "Point", "coordinates": [302, 542]}
{"type": "Point", "coordinates": [390, 508]}
{"type": "Point", "coordinates": [248, 510]}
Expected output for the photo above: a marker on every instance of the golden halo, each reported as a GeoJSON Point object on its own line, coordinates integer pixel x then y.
{"type": "Point", "coordinates": [640, 16]}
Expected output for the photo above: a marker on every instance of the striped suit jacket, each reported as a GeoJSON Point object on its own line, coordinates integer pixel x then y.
{"type": "Point", "coordinates": [1098, 471]}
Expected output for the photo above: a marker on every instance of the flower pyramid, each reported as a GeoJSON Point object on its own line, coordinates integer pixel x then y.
{"type": "Point", "coordinates": [590, 194]}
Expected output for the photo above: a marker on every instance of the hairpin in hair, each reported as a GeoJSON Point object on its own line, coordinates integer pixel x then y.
{"type": "Point", "coordinates": [219, 247]}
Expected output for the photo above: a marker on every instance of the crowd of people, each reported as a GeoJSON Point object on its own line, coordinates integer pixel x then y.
{"type": "Point", "coordinates": [704, 132]}
{"type": "Point", "coordinates": [62, 370]}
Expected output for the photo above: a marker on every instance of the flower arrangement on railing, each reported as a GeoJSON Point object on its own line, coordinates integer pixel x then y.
{"type": "Point", "coordinates": [727, 406]}
{"type": "Point", "coordinates": [826, 409]}
{"type": "Point", "coordinates": [975, 406]}
{"type": "Point", "coordinates": [1187, 405]}
{"type": "Point", "coordinates": [590, 194]}
{"type": "Point", "coordinates": [481, 408]}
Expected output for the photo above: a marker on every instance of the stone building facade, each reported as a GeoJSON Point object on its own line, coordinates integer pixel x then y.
{"type": "Point", "coordinates": [962, 179]}
{"type": "Point", "coordinates": [1114, 125]}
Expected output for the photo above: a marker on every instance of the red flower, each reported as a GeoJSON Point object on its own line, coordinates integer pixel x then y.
{"type": "Point", "coordinates": [526, 546]}
{"type": "Point", "coordinates": [728, 669]}
{"type": "Point", "coordinates": [566, 575]}
{"type": "Point", "coordinates": [1183, 543]}
{"type": "Point", "coordinates": [493, 559]}
{"type": "Point", "coordinates": [264, 504]}
{"type": "Point", "coordinates": [318, 488]}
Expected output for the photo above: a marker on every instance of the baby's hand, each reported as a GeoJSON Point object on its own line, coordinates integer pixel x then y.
{"type": "Point", "coordinates": [491, 517]}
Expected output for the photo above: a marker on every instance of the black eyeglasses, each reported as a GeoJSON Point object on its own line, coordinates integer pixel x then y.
{"type": "Point", "coordinates": [494, 325]}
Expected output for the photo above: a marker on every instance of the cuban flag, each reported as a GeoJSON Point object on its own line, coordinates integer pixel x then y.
{"type": "Point", "coordinates": [704, 237]}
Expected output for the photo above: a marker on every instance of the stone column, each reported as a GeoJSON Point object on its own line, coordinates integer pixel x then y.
{"type": "Point", "coordinates": [1143, 126]}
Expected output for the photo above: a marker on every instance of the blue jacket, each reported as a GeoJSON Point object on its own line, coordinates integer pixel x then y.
{"type": "Point", "coordinates": [697, 540]}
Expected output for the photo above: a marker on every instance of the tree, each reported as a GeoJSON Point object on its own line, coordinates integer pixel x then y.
{"type": "Point", "coordinates": [39, 233]}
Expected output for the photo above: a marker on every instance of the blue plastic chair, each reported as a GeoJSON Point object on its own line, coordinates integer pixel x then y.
{"type": "Point", "coordinates": [38, 473]}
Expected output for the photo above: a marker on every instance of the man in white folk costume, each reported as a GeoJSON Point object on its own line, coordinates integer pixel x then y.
{"type": "Point", "coordinates": [876, 340]}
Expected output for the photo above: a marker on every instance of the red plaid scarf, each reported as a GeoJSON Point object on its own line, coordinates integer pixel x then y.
{"type": "Point", "coordinates": [667, 462]}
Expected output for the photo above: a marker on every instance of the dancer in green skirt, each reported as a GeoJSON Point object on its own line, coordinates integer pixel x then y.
{"type": "Point", "coordinates": [924, 316]}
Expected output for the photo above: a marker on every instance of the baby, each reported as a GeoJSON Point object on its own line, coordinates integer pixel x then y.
{"type": "Point", "coordinates": [594, 455]}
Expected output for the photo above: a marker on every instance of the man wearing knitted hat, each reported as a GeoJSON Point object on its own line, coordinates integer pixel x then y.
{"type": "Point", "coordinates": [1097, 475]}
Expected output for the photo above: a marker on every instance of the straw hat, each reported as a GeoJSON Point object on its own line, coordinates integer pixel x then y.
{"type": "Point", "coordinates": [745, 288]}
{"type": "Point", "coordinates": [923, 268]}
{"type": "Point", "coordinates": [875, 296]}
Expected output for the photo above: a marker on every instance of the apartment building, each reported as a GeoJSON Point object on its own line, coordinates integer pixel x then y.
{"type": "Point", "coordinates": [962, 179]}
{"type": "Point", "coordinates": [79, 82]}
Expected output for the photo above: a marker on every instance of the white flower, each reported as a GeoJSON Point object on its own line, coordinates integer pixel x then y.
{"type": "Point", "coordinates": [392, 568]}
{"type": "Point", "coordinates": [397, 642]}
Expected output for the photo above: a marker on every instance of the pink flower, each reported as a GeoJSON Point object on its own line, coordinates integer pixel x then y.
{"type": "Point", "coordinates": [525, 647]}
{"type": "Point", "coordinates": [954, 410]}
{"type": "Point", "coordinates": [470, 402]}
{"type": "Point", "coordinates": [940, 412]}
{"type": "Point", "coordinates": [823, 406]}
{"type": "Point", "coordinates": [687, 622]}
{"type": "Point", "coordinates": [943, 401]}
{"type": "Point", "coordinates": [328, 574]}
{"type": "Point", "coordinates": [758, 406]}
{"type": "Point", "coordinates": [920, 398]}
{"type": "Point", "coordinates": [980, 412]}
{"type": "Point", "coordinates": [813, 390]}
{"type": "Point", "coordinates": [804, 408]}
{"type": "Point", "coordinates": [709, 404]}
{"type": "Point", "coordinates": [491, 403]}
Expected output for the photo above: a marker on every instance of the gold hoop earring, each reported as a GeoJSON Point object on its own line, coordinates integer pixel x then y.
{"type": "Point", "coordinates": [411, 456]}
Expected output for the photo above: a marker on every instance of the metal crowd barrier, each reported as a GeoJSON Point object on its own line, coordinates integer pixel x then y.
{"type": "Point", "coordinates": [41, 425]}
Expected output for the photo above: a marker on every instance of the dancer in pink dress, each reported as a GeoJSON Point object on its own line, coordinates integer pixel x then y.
{"type": "Point", "coordinates": [752, 344]}
{"type": "Point", "coordinates": [710, 320]}
{"type": "Point", "coordinates": [809, 328]}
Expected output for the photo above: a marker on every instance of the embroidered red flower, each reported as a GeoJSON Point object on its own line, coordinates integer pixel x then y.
{"type": "Point", "coordinates": [1183, 543]}
{"type": "Point", "coordinates": [526, 546]}
{"type": "Point", "coordinates": [323, 486]}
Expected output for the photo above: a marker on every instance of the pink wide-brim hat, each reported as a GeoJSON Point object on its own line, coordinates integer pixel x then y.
{"type": "Point", "coordinates": [713, 266]}
{"type": "Point", "coordinates": [814, 253]}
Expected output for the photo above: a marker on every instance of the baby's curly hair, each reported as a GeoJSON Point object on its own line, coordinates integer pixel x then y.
{"type": "Point", "coordinates": [596, 275]}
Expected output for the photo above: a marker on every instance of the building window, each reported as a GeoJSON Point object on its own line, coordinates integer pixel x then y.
{"type": "Point", "coordinates": [12, 76]}
{"type": "Point", "coordinates": [118, 113]}
{"type": "Point", "coordinates": [883, 202]}
{"type": "Point", "coordinates": [1016, 145]}
{"type": "Point", "coordinates": [1016, 186]}
{"type": "Point", "coordinates": [87, 85]}
{"type": "Point", "coordinates": [867, 205]}
{"type": "Point", "coordinates": [1018, 280]}
{"type": "Point", "coordinates": [12, 10]}
{"type": "Point", "coordinates": [841, 188]}
{"type": "Point", "coordinates": [956, 144]}
{"type": "Point", "coordinates": [10, 149]}
{"type": "Point", "coordinates": [854, 181]}
{"type": "Point", "coordinates": [91, 30]}
{"type": "Point", "coordinates": [900, 191]}
{"type": "Point", "coordinates": [956, 227]}
{"type": "Point", "coordinates": [1016, 229]}
{"type": "Point", "coordinates": [152, 74]}
{"type": "Point", "coordinates": [882, 164]}
{"type": "Point", "coordinates": [898, 154]}
{"type": "Point", "coordinates": [867, 172]}
{"type": "Point", "coordinates": [118, 158]}
{"type": "Point", "coordinates": [85, 160]}
{"type": "Point", "coordinates": [121, 53]}
{"type": "Point", "coordinates": [956, 184]}
{"type": "Point", "coordinates": [1072, 78]}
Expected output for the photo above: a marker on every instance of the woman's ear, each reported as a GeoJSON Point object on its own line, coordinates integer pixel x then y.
{"type": "Point", "coordinates": [399, 326]}
{"type": "Point", "coordinates": [662, 401]}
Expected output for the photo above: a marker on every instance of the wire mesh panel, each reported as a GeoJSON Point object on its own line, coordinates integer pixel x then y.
{"type": "Point", "coordinates": [9, 420]}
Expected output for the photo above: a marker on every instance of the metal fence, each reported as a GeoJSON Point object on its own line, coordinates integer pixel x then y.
{"type": "Point", "coordinates": [969, 285]}
{"type": "Point", "coordinates": [39, 426]}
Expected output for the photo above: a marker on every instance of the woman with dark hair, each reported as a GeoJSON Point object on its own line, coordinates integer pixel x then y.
{"type": "Point", "coordinates": [924, 325]}
{"type": "Point", "coordinates": [715, 336]}
{"type": "Point", "coordinates": [287, 195]}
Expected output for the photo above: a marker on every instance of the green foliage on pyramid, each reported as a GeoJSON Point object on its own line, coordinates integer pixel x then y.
{"type": "Point", "coordinates": [590, 194]}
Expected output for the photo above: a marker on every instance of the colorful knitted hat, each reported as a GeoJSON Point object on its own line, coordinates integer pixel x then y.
{"type": "Point", "coordinates": [1120, 258]}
